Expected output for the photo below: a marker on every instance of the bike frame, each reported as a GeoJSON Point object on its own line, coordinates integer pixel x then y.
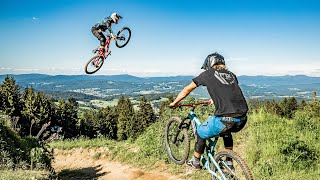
{"type": "Point", "coordinates": [195, 122]}
{"type": "Point", "coordinates": [101, 53]}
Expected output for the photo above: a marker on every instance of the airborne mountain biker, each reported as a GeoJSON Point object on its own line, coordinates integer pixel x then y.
{"type": "Point", "coordinates": [104, 25]}
{"type": "Point", "coordinates": [231, 107]}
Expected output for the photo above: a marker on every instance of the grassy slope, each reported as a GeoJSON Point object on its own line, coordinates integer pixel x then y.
{"type": "Point", "coordinates": [283, 148]}
{"type": "Point", "coordinates": [23, 175]}
{"type": "Point", "coordinates": [15, 153]}
{"type": "Point", "coordinates": [273, 147]}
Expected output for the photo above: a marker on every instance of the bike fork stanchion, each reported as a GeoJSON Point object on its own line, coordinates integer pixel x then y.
{"type": "Point", "coordinates": [225, 165]}
{"type": "Point", "coordinates": [207, 166]}
{"type": "Point", "coordinates": [178, 132]}
{"type": "Point", "coordinates": [176, 137]}
{"type": "Point", "coordinates": [217, 166]}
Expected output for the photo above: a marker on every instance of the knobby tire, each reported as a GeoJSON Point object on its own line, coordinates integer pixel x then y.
{"type": "Point", "coordinates": [235, 157]}
{"type": "Point", "coordinates": [168, 141]}
{"type": "Point", "coordinates": [127, 38]}
{"type": "Point", "coordinates": [90, 61]}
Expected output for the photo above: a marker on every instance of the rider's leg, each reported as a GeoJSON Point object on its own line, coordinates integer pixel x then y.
{"type": "Point", "coordinates": [236, 127]}
{"type": "Point", "coordinates": [198, 150]}
{"type": "Point", "coordinates": [102, 41]}
{"type": "Point", "coordinates": [228, 141]}
{"type": "Point", "coordinates": [99, 35]}
{"type": "Point", "coordinates": [228, 144]}
{"type": "Point", "coordinates": [199, 146]}
{"type": "Point", "coordinates": [212, 127]}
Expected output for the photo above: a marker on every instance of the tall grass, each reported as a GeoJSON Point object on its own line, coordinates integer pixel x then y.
{"type": "Point", "coordinates": [273, 147]}
{"type": "Point", "coordinates": [283, 148]}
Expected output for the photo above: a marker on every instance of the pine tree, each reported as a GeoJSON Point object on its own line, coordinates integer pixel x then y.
{"type": "Point", "coordinates": [11, 102]}
{"type": "Point", "coordinates": [30, 108]}
{"type": "Point", "coordinates": [1, 99]}
{"type": "Point", "coordinates": [274, 107]}
{"type": "Point", "coordinates": [86, 125]}
{"type": "Point", "coordinates": [109, 121]}
{"type": "Point", "coordinates": [126, 117]}
{"type": "Point", "coordinates": [302, 104]}
{"type": "Point", "coordinates": [293, 106]}
{"type": "Point", "coordinates": [144, 117]}
{"type": "Point", "coordinates": [38, 110]}
{"type": "Point", "coordinates": [288, 107]}
{"type": "Point", "coordinates": [45, 113]}
{"type": "Point", "coordinates": [71, 122]}
{"type": "Point", "coordinates": [67, 114]}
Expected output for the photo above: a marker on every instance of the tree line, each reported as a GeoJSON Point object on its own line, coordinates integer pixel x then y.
{"type": "Point", "coordinates": [34, 114]}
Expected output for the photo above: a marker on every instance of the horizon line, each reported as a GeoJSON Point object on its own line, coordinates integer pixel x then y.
{"type": "Point", "coordinates": [280, 75]}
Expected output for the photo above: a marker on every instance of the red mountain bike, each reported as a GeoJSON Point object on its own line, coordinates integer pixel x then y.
{"type": "Point", "coordinates": [96, 62]}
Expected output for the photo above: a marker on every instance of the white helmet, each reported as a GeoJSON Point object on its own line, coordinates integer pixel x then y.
{"type": "Point", "coordinates": [115, 17]}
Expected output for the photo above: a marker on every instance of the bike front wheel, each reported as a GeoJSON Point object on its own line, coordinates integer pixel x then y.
{"type": "Point", "coordinates": [238, 170]}
{"type": "Point", "coordinates": [94, 64]}
{"type": "Point", "coordinates": [177, 141]}
{"type": "Point", "coordinates": [123, 37]}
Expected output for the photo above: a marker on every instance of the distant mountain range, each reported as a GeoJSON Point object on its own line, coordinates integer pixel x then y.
{"type": "Point", "coordinates": [21, 78]}
{"type": "Point", "coordinates": [101, 86]}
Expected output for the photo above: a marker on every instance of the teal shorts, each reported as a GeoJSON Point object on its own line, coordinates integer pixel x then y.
{"type": "Point", "coordinates": [213, 126]}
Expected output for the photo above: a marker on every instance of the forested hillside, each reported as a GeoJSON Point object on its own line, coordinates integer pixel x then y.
{"type": "Point", "coordinates": [281, 139]}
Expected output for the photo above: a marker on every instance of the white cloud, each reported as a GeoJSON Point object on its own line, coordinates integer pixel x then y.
{"type": "Point", "coordinates": [35, 18]}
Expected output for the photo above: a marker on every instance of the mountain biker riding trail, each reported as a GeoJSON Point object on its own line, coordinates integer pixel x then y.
{"type": "Point", "coordinates": [231, 106]}
{"type": "Point", "coordinates": [104, 25]}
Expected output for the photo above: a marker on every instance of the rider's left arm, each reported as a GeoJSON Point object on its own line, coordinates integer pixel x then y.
{"type": "Point", "coordinates": [184, 93]}
{"type": "Point", "coordinates": [112, 35]}
{"type": "Point", "coordinates": [108, 24]}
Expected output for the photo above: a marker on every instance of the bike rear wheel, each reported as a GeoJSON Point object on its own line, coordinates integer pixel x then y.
{"type": "Point", "coordinates": [94, 64]}
{"type": "Point", "coordinates": [177, 141]}
{"type": "Point", "coordinates": [240, 170]}
{"type": "Point", "coordinates": [123, 37]}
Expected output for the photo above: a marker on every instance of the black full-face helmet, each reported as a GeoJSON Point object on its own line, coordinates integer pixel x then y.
{"type": "Point", "coordinates": [213, 59]}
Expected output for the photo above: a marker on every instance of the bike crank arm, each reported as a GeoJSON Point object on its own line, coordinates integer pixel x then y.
{"type": "Point", "coordinates": [108, 54]}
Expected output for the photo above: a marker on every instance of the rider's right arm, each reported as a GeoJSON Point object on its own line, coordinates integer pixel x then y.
{"type": "Point", "coordinates": [210, 102]}
{"type": "Point", "coordinates": [185, 92]}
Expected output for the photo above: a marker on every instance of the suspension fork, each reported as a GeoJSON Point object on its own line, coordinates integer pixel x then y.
{"type": "Point", "coordinates": [181, 125]}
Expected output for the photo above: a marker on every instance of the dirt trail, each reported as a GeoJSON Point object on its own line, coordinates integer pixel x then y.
{"type": "Point", "coordinates": [82, 164]}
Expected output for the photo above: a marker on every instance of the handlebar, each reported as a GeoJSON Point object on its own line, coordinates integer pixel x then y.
{"type": "Point", "coordinates": [193, 104]}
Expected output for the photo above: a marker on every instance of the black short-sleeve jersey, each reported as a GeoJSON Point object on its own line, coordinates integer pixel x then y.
{"type": "Point", "coordinates": [104, 24]}
{"type": "Point", "coordinates": [224, 90]}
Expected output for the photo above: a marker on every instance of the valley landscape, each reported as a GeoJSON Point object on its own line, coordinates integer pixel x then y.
{"type": "Point", "coordinates": [71, 109]}
{"type": "Point", "coordinates": [86, 88]}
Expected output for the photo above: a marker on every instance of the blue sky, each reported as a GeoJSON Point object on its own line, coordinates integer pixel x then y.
{"type": "Point", "coordinates": [169, 37]}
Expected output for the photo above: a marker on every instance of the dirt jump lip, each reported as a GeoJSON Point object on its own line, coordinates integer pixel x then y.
{"type": "Point", "coordinates": [83, 163]}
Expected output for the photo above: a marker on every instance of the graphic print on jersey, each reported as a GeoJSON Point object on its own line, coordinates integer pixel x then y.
{"type": "Point", "coordinates": [225, 78]}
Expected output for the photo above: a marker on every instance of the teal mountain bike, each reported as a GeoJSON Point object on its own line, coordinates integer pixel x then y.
{"type": "Point", "coordinates": [177, 143]}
